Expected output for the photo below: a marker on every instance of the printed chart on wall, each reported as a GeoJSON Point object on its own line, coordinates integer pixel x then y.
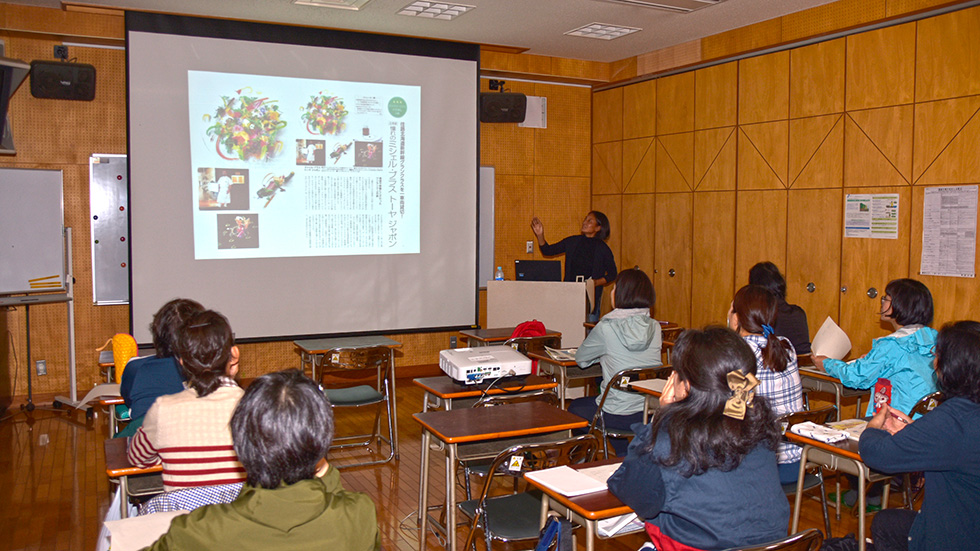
{"type": "Point", "coordinates": [871, 215]}
{"type": "Point", "coordinates": [287, 167]}
{"type": "Point", "coordinates": [949, 231]}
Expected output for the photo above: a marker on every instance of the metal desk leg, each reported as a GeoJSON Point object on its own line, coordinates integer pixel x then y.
{"type": "Point", "coordinates": [798, 500]}
{"type": "Point", "coordinates": [423, 519]}
{"type": "Point", "coordinates": [124, 496]}
{"type": "Point", "coordinates": [590, 535]}
{"type": "Point", "coordinates": [862, 506]}
{"type": "Point", "coordinates": [392, 406]}
{"type": "Point", "coordinates": [451, 496]}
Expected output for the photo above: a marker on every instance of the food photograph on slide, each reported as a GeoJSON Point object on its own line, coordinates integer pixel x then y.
{"type": "Point", "coordinates": [238, 231]}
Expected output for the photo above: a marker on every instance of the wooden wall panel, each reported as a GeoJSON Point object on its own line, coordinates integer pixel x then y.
{"type": "Point", "coordinates": [760, 231]}
{"type": "Point", "coordinates": [881, 67]}
{"type": "Point", "coordinates": [763, 88]}
{"type": "Point", "coordinates": [809, 260]}
{"type": "Point", "coordinates": [763, 151]}
{"type": "Point", "coordinates": [673, 252]}
{"type": "Point", "coordinates": [607, 167]}
{"type": "Point", "coordinates": [675, 104]}
{"type": "Point", "coordinates": [607, 121]}
{"type": "Point", "coordinates": [824, 19]}
{"type": "Point", "coordinates": [638, 230]}
{"type": "Point", "coordinates": [715, 159]}
{"type": "Point", "coordinates": [675, 162]}
{"type": "Point", "coordinates": [639, 165]}
{"type": "Point", "coordinates": [561, 204]}
{"type": "Point", "coordinates": [955, 161]}
{"type": "Point", "coordinates": [713, 263]}
{"type": "Point", "coordinates": [816, 84]}
{"type": "Point", "coordinates": [716, 96]}
{"type": "Point", "coordinates": [567, 132]}
{"type": "Point", "coordinates": [947, 56]}
{"type": "Point", "coordinates": [640, 110]}
{"type": "Point", "coordinates": [612, 207]}
{"type": "Point", "coordinates": [878, 147]}
{"type": "Point", "coordinates": [512, 229]}
{"type": "Point", "coordinates": [816, 152]}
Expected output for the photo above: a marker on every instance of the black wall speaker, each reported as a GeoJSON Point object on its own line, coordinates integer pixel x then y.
{"type": "Point", "coordinates": [502, 107]}
{"type": "Point", "coordinates": [59, 80]}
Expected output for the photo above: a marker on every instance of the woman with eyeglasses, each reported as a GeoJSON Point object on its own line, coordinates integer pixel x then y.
{"type": "Point", "coordinates": [902, 359]}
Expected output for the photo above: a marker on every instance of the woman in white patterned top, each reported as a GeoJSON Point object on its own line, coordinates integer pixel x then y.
{"type": "Point", "coordinates": [753, 316]}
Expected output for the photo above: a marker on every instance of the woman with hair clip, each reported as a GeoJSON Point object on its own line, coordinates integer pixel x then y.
{"type": "Point", "coordinates": [703, 472]}
{"type": "Point", "coordinates": [752, 316]}
{"type": "Point", "coordinates": [945, 443]}
{"type": "Point", "coordinates": [188, 432]}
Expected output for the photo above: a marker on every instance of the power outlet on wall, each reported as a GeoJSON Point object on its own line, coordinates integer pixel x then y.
{"type": "Point", "coordinates": [529, 248]}
{"type": "Point", "coordinates": [42, 367]}
{"type": "Point", "coordinates": [452, 341]}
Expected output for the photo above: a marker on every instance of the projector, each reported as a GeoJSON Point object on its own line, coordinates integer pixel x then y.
{"type": "Point", "coordinates": [472, 366]}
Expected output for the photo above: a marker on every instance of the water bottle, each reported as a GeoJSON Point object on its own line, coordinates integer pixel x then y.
{"type": "Point", "coordinates": [499, 274]}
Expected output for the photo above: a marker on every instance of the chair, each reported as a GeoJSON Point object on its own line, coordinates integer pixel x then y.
{"type": "Point", "coordinates": [339, 366]}
{"type": "Point", "coordinates": [669, 337]}
{"type": "Point", "coordinates": [807, 540]}
{"type": "Point", "coordinates": [925, 404]}
{"type": "Point", "coordinates": [516, 516]}
{"type": "Point", "coordinates": [534, 344]}
{"type": "Point", "coordinates": [813, 477]}
{"type": "Point", "coordinates": [621, 382]}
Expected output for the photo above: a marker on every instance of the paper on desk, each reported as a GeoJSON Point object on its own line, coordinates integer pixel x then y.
{"type": "Point", "coordinates": [561, 354]}
{"type": "Point", "coordinates": [139, 532]}
{"type": "Point", "coordinates": [822, 433]}
{"type": "Point", "coordinates": [567, 481]}
{"type": "Point", "coordinates": [656, 385]}
{"type": "Point", "coordinates": [623, 524]}
{"type": "Point", "coordinates": [830, 341]}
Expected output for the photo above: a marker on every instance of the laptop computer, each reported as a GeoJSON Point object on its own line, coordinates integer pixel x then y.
{"type": "Point", "coordinates": [538, 270]}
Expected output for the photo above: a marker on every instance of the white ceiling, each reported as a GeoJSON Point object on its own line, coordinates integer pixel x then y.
{"type": "Point", "coordinates": [537, 25]}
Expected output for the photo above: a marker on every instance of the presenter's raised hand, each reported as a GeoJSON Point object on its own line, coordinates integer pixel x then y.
{"type": "Point", "coordinates": [538, 228]}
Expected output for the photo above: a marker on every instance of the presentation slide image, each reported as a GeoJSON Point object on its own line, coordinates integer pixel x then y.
{"type": "Point", "coordinates": [222, 189]}
{"type": "Point", "coordinates": [238, 231]}
{"type": "Point", "coordinates": [311, 152]}
{"type": "Point", "coordinates": [368, 154]}
{"type": "Point", "coordinates": [272, 185]}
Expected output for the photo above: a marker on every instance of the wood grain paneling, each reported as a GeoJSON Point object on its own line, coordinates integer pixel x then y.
{"type": "Point", "coordinates": [675, 162]}
{"type": "Point", "coordinates": [878, 147]}
{"type": "Point", "coordinates": [607, 118]}
{"type": "Point", "coordinates": [715, 155]}
{"type": "Point", "coordinates": [808, 260]}
{"type": "Point", "coordinates": [638, 231]}
{"type": "Point", "coordinates": [557, 148]}
{"type": "Point", "coordinates": [816, 85]}
{"type": "Point", "coordinates": [763, 151]}
{"type": "Point", "coordinates": [713, 263]}
{"type": "Point", "coordinates": [607, 167]}
{"type": "Point", "coordinates": [516, 196]}
{"type": "Point", "coordinates": [763, 88]}
{"type": "Point", "coordinates": [640, 110]}
{"type": "Point", "coordinates": [816, 152]}
{"type": "Point", "coordinates": [639, 165]}
{"type": "Point", "coordinates": [822, 20]}
{"type": "Point", "coordinates": [561, 204]}
{"type": "Point", "coordinates": [673, 252]}
{"type": "Point", "coordinates": [760, 231]}
{"type": "Point", "coordinates": [612, 207]}
{"type": "Point", "coordinates": [743, 39]}
{"type": "Point", "coordinates": [881, 67]}
{"type": "Point", "coordinates": [675, 104]}
{"type": "Point", "coordinates": [955, 161]}
{"type": "Point", "coordinates": [716, 96]}
{"type": "Point", "coordinates": [947, 56]}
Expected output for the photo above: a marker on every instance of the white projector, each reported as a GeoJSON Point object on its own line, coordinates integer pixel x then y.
{"type": "Point", "coordinates": [472, 366]}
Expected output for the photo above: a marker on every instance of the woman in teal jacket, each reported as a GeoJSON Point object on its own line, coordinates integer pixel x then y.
{"type": "Point", "coordinates": [904, 358]}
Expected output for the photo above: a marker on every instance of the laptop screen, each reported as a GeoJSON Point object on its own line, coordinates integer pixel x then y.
{"type": "Point", "coordinates": [538, 270]}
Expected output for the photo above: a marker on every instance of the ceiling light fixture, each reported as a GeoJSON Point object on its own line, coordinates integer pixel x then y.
{"type": "Point", "coordinates": [435, 10]}
{"type": "Point", "coordinates": [602, 31]}
{"type": "Point", "coordinates": [676, 6]}
{"type": "Point", "coordinates": [339, 4]}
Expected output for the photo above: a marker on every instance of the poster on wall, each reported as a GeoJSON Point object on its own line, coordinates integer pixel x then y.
{"type": "Point", "coordinates": [871, 215]}
{"type": "Point", "coordinates": [949, 231]}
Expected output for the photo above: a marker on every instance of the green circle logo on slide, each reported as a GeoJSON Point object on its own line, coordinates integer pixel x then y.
{"type": "Point", "coordinates": [397, 107]}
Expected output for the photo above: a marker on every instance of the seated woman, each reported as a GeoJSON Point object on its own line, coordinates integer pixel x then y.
{"type": "Point", "coordinates": [188, 431]}
{"type": "Point", "coordinates": [752, 316]}
{"type": "Point", "coordinates": [790, 318]}
{"type": "Point", "coordinates": [292, 499]}
{"type": "Point", "coordinates": [703, 472]}
{"type": "Point", "coordinates": [945, 443]}
{"type": "Point", "coordinates": [625, 337]}
{"type": "Point", "coordinates": [904, 358]}
{"type": "Point", "coordinates": [146, 379]}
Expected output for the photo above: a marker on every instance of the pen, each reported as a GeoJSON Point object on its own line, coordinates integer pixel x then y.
{"type": "Point", "coordinates": [902, 419]}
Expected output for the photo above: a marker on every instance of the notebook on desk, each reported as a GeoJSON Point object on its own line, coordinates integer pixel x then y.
{"type": "Point", "coordinates": [538, 270]}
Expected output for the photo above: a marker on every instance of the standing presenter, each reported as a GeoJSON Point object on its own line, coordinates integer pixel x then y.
{"type": "Point", "coordinates": [586, 254]}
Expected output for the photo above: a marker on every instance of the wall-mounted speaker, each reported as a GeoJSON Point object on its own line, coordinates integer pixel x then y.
{"type": "Point", "coordinates": [502, 107]}
{"type": "Point", "coordinates": [59, 80]}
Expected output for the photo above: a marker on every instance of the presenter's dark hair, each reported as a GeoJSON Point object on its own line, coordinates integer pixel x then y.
{"type": "Point", "coordinates": [167, 322]}
{"type": "Point", "coordinates": [911, 302]}
{"type": "Point", "coordinates": [701, 436]}
{"type": "Point", "coordinates": [755, 307]}
{"type": "Point", "coordinates": [603, 221]}
{"type": "Point", "coordinates": [634, 289]}
{"type": "Point", "coordinates": [204, 349]}
{"type": "Point", "coordinates": [767, 275]}
{"type": "Point", "coordinates": [281, 428]}
{"type": "Point", "coordinates": [958, 360]}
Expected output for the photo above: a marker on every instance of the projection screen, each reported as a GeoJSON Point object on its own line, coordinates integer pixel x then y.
{"type": "Point", "coordinates": [301, 181]}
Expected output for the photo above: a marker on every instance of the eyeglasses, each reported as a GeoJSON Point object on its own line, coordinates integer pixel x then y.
{"type": "Point", "coordinates": [885, 299]}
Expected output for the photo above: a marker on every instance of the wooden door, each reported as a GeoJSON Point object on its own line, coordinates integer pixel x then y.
{"type": "Point", "coordinates": [672, 257]}
{"type": "Point", "coordinates": [714, 257]}
{"type": "Point", "coordinates": [813, 253]}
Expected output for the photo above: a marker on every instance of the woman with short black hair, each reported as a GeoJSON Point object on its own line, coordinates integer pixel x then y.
{"type": "Point", "coordinates": [790, 318]}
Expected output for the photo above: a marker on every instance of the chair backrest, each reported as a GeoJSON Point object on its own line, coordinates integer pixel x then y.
{"type": "Point", "coordinates": [621, 382]}
{"type": "Point", "coordinates": [534, 344]}
{"type": "Point", "coordinates": [928, 403]}
{"type": "Point", "coordinates": [338, 360]}
{"type": "Point", "coordinates": [549, 397]}
{"type": "Point", "coordinates": [807, 540]}
{"type": "Point", "coordinates": [818, 416]}
{"type": "Point", "coordinates": [524, 458]}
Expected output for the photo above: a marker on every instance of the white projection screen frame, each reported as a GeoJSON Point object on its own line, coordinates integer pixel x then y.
{"type": "Point", "coordinates": [271, 279]}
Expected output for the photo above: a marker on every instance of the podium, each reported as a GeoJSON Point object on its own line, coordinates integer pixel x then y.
{"type": "Point", "coordinates": [560, 305]}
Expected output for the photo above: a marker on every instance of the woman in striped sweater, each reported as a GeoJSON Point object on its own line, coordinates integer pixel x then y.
{"type": "Point", "coordinates": [188, 432]}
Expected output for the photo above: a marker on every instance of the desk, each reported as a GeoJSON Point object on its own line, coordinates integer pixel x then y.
{"type": "Point", "coordinates": [459, 426]}
{"type": "Point", "coordinates": [561, 369]}
{"type": "Point", "coordinates": [651, 389]}
{"type": "Point", "coordinates": [840, 456]}
{"type": "Point", "coordinates": [586, 510]}
{"type": "Point", "coordinates": [117, 465]}
{"type": "Point", "coordinates": [815, 379]}
{"type": "Point", "coordinates": [111, 402]}
{"type": "Point", "coordinates": [487, 337]}
{"type": "Point", "coordinates": [441, 391]}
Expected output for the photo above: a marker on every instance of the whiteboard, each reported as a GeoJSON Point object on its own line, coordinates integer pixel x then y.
{"type": "Point", "coordinates": [485, 258]}
{"type": "Point", "coordinates": [32, 246]}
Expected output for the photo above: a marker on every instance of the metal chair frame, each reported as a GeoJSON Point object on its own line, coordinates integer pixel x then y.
{"type": "Point", "coordinates": [925, 404]}
{"type": "Point", "coordinates": [807, 540]}
{"type": "Point", "coordinates": [814, 479]}
{"type": "Point", "coordinates": [620, 381]}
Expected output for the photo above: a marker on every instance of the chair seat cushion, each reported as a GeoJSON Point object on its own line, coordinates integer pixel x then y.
{"type": "Point", "coordinates": [361, 395]}
{"type": "Point", "coordinates": [512, 517]}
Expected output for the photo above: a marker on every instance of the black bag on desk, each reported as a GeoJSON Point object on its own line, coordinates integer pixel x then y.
{"type": "Point", "coordinates": [556, 535]}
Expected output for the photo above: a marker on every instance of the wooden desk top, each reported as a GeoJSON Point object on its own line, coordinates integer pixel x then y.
{"type": "Point", "coordinates": [653, 387]}
{"type": "Point", "coordinates": [593, 506]}
{"type": "Point", "coordinates": [544, 357]}
{"type": "Point", "coordinates": [447, 389]}
{"type": "Point", "coordinates": [322, 346]}
{"type": "Point", "coordinates": [506, 421]}
{"type": "Point", "coordinates": [116, 462]}
{"type": "Point", "coordinates": [498, 334]}
{"type": "Point", "coordinates": [845, 448]}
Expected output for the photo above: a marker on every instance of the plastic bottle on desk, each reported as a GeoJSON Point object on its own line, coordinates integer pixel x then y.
{"type": "Point", "coordinates": [499, 274]}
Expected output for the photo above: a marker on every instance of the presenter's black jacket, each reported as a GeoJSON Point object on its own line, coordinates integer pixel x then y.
{"type": "Point", "coordinates": [584, 256]}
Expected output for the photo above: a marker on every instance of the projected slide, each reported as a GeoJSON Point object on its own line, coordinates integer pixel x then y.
{"type": "Point", "coordinates": [292, 167]}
